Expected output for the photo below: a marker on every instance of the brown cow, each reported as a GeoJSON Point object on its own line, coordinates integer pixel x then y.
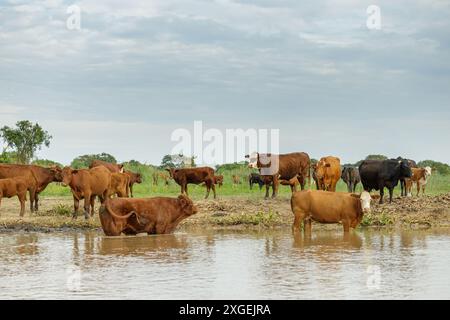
{"type": "Point", "coordinates": [112, 167]}
{"type": "Point", "coordinates": [87, 184]}
{"type": "Point", "coordinates": [14, 187]}
{"type": "Point", "coordinates": [283, 166]}
{"type": "Point", "coordinates": [293, 183]}
{"type": "Point", "coordinates": [236, 179]}
{"type": "Point", "coordinates": [134, 178]}
{"type": "Point", "coordinates": [329, 207]}
{"type": "Point", "coordinates": [151, 216]}
{"type": "Point", "coordinates": [194, 176]}
{"type": "Point", "coordinates": [120, 185]}
{"type": "Point", "coordinates": [420, 177]}
{"type": "Point", "coordinates": [328, 172]}
{"type": "Point", "coordinates": [11, 171]}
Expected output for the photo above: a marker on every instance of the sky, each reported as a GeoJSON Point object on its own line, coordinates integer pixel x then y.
{"type": "Point", "coordinates": [138, 70]}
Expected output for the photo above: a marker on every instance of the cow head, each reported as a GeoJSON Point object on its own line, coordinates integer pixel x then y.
{"type": "Point", "coordinates": [171, 172]}
{"type": "Point", "coordinates": [405, 169]}
{"type": "Point", "coordinates": [253, 160]}
{"type": "Point", "coordinates": [187, 206]}
{"type": "Point", "coordinates": [366, 200]}
{"type": "Point", "coordinates": [66, 176]}
{"type": "Point", "coordinates": [428, 171]}
{"type": "Point", "coordinates": [56, 173]}
{"type": "Point", "coordinates": [138, 178]}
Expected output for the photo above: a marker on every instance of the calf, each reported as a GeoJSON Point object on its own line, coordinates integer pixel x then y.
{"type": "Point", "coordinates": [134, 178]}
{"type": "Point", "coordinates": [14, 187]}
{"type": "Point", "coordinates": [351, 177]}
{"type": "Point", "coordinates": [120, 185]}
{"type": "Point", "coordinates": [329, 207]}
{"type": "Point", "coordinates": [420, 177]}
{"type": "Point", "coordinates": [151, 216]}
{"type": "Point", "coordinates": [183, 177]}
{"type": "Point", "coordinates": [281, 167]}
{"type": "Point", "coordinates": [255, 178]}
{"type": "Point", "coordinates": [236, 180]}
{"type": "Point", "coordinates": [380, 174]}
{"type": "Point", "coordinates": [112, 167]}
{"type": "Point", "coordinates": [87, 184]}
{"type": "Point", "coordinates": [12, 171]}
{"type": "Point", "coordinates": [218, 180]}
{"type": "Point", "coordinates": [412, 164]}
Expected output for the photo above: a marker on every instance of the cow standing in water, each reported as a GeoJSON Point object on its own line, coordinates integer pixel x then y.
{"type": "Point", "coordinates": [380, 174]}
{"type": "Point", "coordinates": [329, 207]}
{"type": "Point", "coordinates": [281, 167]}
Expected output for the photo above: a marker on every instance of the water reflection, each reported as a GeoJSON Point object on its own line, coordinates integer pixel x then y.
{"type": "Point", "coordinates": [215, 264]}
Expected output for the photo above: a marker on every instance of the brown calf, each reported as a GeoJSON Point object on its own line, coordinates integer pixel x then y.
{"type": "Point", "coordinates": [120, 185]}
{"type": "Point", "coordinates": [183, 177]}
{"type": "Point", "coordinates": [151, 216]}
{"type": "Point", "coordinates": [134, 178]}
{"type": "Point", "coordinates": [14, 187]}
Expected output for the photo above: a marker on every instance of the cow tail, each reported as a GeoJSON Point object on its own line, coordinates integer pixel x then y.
{"type": "Point", "coordinates": [115, 215]}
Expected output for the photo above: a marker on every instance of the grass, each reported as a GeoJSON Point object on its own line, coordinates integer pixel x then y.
{"type": "Point", "coordinates": [265, 219]}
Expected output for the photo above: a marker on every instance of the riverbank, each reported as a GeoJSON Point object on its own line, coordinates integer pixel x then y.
{"type": "Point", "coordinates": [237, 212]}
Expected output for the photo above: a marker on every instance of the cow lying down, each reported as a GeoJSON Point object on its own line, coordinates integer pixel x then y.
{"type": "Point", "coordinates": [152, 216]}
{"type": "Point", "coordinates": [329, 207]}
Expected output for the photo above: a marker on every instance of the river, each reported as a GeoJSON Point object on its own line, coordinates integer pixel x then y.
{"type": "Point", "coordinates": [207, 264]}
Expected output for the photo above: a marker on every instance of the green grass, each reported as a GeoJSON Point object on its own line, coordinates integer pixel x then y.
{"type": "Point", "coordinates": [438, 184]}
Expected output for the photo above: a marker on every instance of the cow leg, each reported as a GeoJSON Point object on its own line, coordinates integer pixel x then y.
{"type": "Point", "coordinates": [298, 220]}
{"type": "Point", "coordinates": [391, 194]}
{"type": "Point", "coordinates": [307, 226]}
{"type": "Point", "coordinates": [131, 190]}
{"type": "Point", "coordinates": [36, 202]}
{"type": "Point", "coordinates": [186, 190]}
{"type": "Point", "coordinates": [267, 191]}
{"type": "Point", "coordinates": [275, 187]}
{"type": "Point", "coordinates": [87, 204]}
{"type": "Point", "coordinates": [22, 198]}
{"type": "Point", "coordinates": [346, 225]}
{"type": "Point", "coordinates": [76, 207]}
{"type": "Point", "coordinates": [32, 199]}
{"type": "Point", "coordinates": [381, 195]}
{"type": "Point", "coordinates": [92, 202]}
{"type": "Point", "coordinates": [208, 189]}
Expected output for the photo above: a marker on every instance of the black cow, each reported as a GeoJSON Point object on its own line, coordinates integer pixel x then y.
{"type": "Point", "coordinates": [412, 164]}
{"type": "Point", "coordinates": [255, 178]}
{"type": "Point", "coordinates": [380, 174]}
{"type": "Point", "coordinates": [351, 177]}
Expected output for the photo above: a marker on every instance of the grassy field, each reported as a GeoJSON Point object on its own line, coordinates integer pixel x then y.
{"type": "Point", "coordinates": [438, 184]}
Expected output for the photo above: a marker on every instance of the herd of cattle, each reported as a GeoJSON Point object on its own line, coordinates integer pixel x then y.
{"type": "Point", "coordinates": [161, 215]}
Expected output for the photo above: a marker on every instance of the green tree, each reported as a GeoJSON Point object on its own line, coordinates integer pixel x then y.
{"type": "Point", "coordinates": [177, 161]}
{"type": "Point", "coordinates": [25, 139]}
{"type": "Point", "coordinates": [86, 160]}
{"type": "Point", "coordinates": [8, 157]}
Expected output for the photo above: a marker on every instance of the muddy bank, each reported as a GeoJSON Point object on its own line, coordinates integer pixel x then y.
{"type": "Point", "coordinates": [234, 213]}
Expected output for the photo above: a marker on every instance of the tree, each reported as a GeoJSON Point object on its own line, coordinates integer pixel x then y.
{"type": "Point", "coordinates": [86, 160]}
{"type": "Point", "coordinates": [25, 139]}
{"type": "Point", "coordinates": [8, 157]}
{"type": "Point", "coordinates": [177, 161]}
{"type": "Point", "coordinates": [372, 157]}
{"type": "Point", "coordinates": [441, 168]}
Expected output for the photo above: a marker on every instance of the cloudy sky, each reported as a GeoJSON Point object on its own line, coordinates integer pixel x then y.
{"type": "Point", "coordinates": [138, 70]}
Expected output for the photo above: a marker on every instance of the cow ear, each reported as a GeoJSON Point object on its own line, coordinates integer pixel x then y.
{"type": "Point", "coordinates": [183, 201]}
{"type": "Point", "coordinates": [375, 196]}
{"type": "Point", "coordinates": [354, 195]}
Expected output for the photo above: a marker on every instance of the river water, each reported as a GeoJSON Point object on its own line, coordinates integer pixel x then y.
{"type": "Point", "coordinates": [199, 264]}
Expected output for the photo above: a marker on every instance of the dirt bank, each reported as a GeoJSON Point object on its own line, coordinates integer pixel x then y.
{"type": "Point", "coordinates": [233, 212]}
